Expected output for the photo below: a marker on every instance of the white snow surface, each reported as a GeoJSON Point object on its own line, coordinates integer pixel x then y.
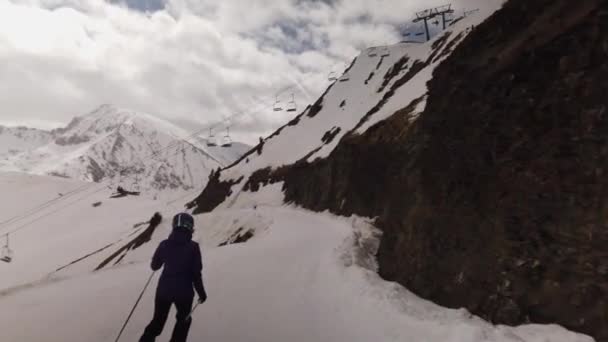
{"type": "Point", "coordinates": [118, 146]}
{"type": "Point", "coordinates": [302, 277]}
{"type": "Point", "coordinates": [55, 234]}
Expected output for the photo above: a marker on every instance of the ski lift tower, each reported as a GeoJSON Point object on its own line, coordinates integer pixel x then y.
{"type": "Point", "coordinates": [432, 13]}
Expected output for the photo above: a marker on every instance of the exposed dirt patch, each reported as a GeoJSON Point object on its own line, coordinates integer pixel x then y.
{"type": "Point", "coordinates": [242, 235]}
{"type": "Point", "coordinates": [214, 194]}
{"type": "Point", "coordinates": [380, 63]}
{"type": "Point", "coordinates": [393, 72]}
{"type": "Point", "coordinates": [330, 135]}
{"type": "Point", "coordinates": [369, 78]}
{"type": "Point", "coordinates": [449, 47]}
{"type": "Point", "coordinates": [414, 70]}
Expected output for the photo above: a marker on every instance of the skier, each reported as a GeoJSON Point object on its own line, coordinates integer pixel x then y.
{"type": "Point", "coordinates": [181, 275]}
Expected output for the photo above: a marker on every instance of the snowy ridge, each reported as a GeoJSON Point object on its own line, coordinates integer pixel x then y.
{"type": "Point", "coordinates": [380, 81]}
{"type": "Point", "coordinates": [122, 147]}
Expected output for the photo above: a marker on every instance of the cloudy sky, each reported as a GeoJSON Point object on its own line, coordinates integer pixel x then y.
{"type": "Point", "coordinates": [194, 62]}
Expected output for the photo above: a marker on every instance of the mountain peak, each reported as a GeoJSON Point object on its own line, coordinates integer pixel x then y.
{"type": "Point", "coordinates": [109, 118]}
{"type": "Point", "coordinates": [122, 145]}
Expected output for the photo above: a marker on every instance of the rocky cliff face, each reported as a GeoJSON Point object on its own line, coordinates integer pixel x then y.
{"type": "Point", "coordinates": [495, 198]}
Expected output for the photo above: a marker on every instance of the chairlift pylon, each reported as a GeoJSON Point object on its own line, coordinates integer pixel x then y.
{"type": "Point", "coordinates": [277, 105]}
{"type": "Point", "coordinates": [227, 141]}
{"type": "Point", "coordinates": [6, 254]}
{"type": "Point", "coordinates": [291, 106]}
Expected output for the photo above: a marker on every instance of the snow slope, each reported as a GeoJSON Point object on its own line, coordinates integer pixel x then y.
{"type": "Point", "coordinates": [373, 88]}
{"type": "Point", "coordinates": [306, 278]}
{"type": "Point", "coordinates": [121, 146]}
{"type": "Point", "coordinates": [302, 277]}
{"type": "Point", "coordinates": [56, 233]}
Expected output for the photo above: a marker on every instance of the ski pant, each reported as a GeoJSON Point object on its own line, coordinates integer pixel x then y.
{"type": "Point", "coordinates": [161, 312]}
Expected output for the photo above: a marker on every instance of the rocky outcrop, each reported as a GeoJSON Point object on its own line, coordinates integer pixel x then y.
{"type": "Point", "coordinates": [72, 140]}
{"type": "Point", "coordinates": [495, 198]}
{"type": "Point", "coordinates": [502, 208]}
{"type": "Point", "coordinates": [214, 194]}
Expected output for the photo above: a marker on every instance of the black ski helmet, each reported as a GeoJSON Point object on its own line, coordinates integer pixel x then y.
{"type": "Point", "coordinates": [183, 221]}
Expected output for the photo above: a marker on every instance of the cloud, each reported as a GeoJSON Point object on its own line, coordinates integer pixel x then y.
{"type": "Point", "coordinates": [191, 61]}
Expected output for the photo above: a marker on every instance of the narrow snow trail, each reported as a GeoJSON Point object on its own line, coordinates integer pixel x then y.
{"type": "Point", "coordinates": [301, 279]}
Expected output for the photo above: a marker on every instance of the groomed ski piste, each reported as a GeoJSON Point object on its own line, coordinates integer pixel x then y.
{"type": "Point", "coordinates": [301, 277]}
{"type": "Point", "coordinates": [273, 272]}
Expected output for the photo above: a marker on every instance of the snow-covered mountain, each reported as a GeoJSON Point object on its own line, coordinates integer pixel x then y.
{"type": "Point", "coordinates": [123, 147]}
{"type": "Point", "coordinates": [14, 140]}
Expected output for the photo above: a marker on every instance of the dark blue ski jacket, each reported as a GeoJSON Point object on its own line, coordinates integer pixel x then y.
{"type": "Point", "coordinates": [181, 258]}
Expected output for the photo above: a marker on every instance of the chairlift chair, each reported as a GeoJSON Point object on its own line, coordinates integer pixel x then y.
{"type": "Point", "coordinates": [135, 187]}
{"type": "Point", "coordinates": [6, 254]}
{"type": "Point", "coordinates": [372, 52]}
{"type": "Point", "coordinates": [344, 78]}
{"type": "Point", "coordinates": [332, 76]}
{"type": "Point", "coordinates": [291, 106]}
{"type": "Point", "coordinates": [277, 105]}
{"type": "Point", "coordinates": [211, 142]}
{"type": "Point", "coordinates": [227, 141]}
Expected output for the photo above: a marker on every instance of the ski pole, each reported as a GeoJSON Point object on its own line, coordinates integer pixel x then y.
{"type": "Point", "coordinates": [194, 308]}
{"type": "Point", "coordinates": [134, 307]}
